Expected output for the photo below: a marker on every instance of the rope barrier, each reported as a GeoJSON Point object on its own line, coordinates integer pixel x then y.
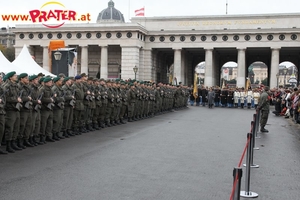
{"type": "Point", "coordinates": [239, 165]}
{"type": "Point", "coordinates": [237, 172]}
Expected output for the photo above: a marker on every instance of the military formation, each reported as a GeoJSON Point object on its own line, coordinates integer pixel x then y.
{"type": "Point", "coordinates": [38, 109]}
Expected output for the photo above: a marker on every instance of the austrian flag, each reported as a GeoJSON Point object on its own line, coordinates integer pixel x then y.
{"type": "Point", "coordinates": [140, 12]}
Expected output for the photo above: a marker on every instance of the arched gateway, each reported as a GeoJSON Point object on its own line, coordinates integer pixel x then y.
{"type": "Point", "coordinates": [153, 44]}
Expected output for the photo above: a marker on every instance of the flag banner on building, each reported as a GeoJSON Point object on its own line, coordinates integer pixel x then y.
{"type": "Point", "coordinates": [248, 84]}
{"type": "Point", "coordinates": [195, 88]}
{"type": "Point", "coordinates": [140, 12]}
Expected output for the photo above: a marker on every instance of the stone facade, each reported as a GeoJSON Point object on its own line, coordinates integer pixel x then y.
{"type": "Point", "coordinates": [154, 44]}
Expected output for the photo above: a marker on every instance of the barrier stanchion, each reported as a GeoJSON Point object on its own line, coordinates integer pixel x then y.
{"type": "Point", "coordinates": [247, 193]}
{"type": "Point", "coordinates": [257, 124]}
{"type": "Point", "coordinates": [237, 179]}
{"type": "Point", "coordinates": [255, 128]}
{"type": "Point", "coordinates": [251, 144]}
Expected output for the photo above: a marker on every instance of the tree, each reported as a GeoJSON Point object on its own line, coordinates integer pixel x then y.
{"type": "Point", "coordinates": [8, 52]}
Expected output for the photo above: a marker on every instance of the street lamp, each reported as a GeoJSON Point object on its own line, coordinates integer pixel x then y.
{"type": "Point", "coordinates": [135, 69]}
{"type": "Point", "coordinates": [57, 57]}
{"type": "Point", "coordinates": [277, 76]}
{"type": "Point", "coordinates": [285, 70]}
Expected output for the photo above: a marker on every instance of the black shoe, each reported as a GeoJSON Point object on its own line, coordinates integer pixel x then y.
{"type": "Point", "coordinates": [54, 137]}
{"type": "Point", "coordinates": [263, 130]}
{"type": "Point", "coordinates": [2, 152]}
{"type": "Point", "coordinates": [42, 140]}
{"type": "Point", "coordinates": [14, 146]}
{"type": "Point", "coordinates": [32, 141]}
{"type": "Point", "coordinates": [9, 149]}
{"type": "Point", "coordinates": [65, 134]}
{"type": "Point", "coordinates": [122, 122]}
{"type": "Point", "coordinates": [49, 139]}
{"type": "Point", "coordinates": [20, 143]}
{"type": "Point", "coordinates": [27, 143]}
{"type": "Point", "coordinates": [60, 137]}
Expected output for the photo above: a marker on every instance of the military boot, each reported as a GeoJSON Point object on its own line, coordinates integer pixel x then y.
{"type": "Point", "coordinates": [36, 140]}
{"type": "Point", "coordinates": [27, 143]}
{"type": "Point", "coordinates": [70, 133]}
{"type": "Point", "coordinates": [122, 121]}
{"type": "Point", "coordinates": [3, 152]}
{"type": "Point", "coordinates": [65, 134]}
{"type": "Point", "coordinates": [49, 139]}
{"type": "Point", "coordinates": [263, 130]}
{"type": "Point", "coordinates": [14, 146]}
{"type": "Point", "coordinates": [31, 141]}
{"type": "Point", "coordinates": [20, 143]}
{"type": "Point", "coordinates": [95, 126]}
{"type": "Point", "coordinates": [60, 136]}
{"type": "Point", "coordinates": [130, 119]}
{"type": "Point", "coordinates": [9, 149]}
{"type": "Point", "coordinates": [42, 140]}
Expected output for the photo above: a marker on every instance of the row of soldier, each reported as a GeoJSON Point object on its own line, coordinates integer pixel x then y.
{"type": "Point", "coordinates": [227, 97]}
{"type": "Point", "coordinates": [37, 109]}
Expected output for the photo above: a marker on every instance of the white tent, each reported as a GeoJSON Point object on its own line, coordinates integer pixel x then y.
{"type": "Point", "coordinates": [27, 64]}
{"type": "Point", "coordinates": [6, 66]}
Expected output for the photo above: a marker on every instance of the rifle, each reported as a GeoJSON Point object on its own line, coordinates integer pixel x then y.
{"type": "Point", "coordinates": [73, 101]}
{"type": "Point", "coordinates": [19, 104]}
{"type": "Point", "coordinates": [51, 105]}
{"type": "Point", "coordinates": [38, 106]}
{"type": "Point", "coordinates": [61, 105]}
{"type": "Point", "coordinates": [2, 95]}
{"type": "Point", "coordinates": [28, 104]}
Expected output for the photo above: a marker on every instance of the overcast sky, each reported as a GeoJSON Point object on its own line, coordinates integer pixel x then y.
{"type": "Point", "coordinates": [159, 7]}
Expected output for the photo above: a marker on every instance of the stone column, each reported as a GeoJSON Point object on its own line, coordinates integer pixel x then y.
{"type": "Point", "coordinates": [147, 65]}
{"type": "Point", "coordinates": [84, 59]}
{"type": "Point", "coordinates": [241, 79]}
{"type": "Point", "coordinates": [274, 67]}
{"type": "Point", "coordinates": [46, 63]}
{"type": "Point", "coordinates": [104, 62]}
{"type": "Point", "coordinates": [130, 58]}
{"type": "Point", "coordinates": [208, 81]}
{"type": "Point", "coordinates": [177, 65]}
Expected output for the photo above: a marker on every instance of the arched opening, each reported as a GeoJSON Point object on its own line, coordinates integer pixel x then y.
{"type": "Point", "coordinates": [287, 75]}
{"type": "Point", "coordinates": [228, 75]}
{"type": "Point", "coordinates": [258, 74]}
{"type": "Point", "coordinates": [200, 71]}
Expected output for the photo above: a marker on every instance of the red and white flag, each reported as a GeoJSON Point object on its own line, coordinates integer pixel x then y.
{"type": "Point", "coordinates": [140, 12]}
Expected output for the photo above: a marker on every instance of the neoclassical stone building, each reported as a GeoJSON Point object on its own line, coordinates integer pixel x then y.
{"type": "Point", "coordinates": [154, 44]}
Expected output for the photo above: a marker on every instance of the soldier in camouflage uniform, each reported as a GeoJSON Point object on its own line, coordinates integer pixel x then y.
{"type": "Point", "coordinates": [131, 97]}
{"type": "Point", "coordinates": [69, 107]}
{"type": "Point", "coordinates": [98, 104]}
{"type": "Point", "coordinates": [103, 92]}
{"type": "Point", "coordinates": [26, 111]}
{"type": "Point", "coordinates": [124, 101]}
{"type": "Point", "coordinates": [12, 119]}
{"type": "Point", "coordinates": [36, 114]}
{"type": "Point", "coordinates": [110, 104]}
{"type": "Point", "coordinates": [59, 106]}
{"type": "Point", "coordinates": [47, 111]}
{"type": "Point", "coordinates": [79, 107]}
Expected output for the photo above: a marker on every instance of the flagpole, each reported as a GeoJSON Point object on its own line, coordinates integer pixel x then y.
{"type": "Point", "coordinates": [128, 10]}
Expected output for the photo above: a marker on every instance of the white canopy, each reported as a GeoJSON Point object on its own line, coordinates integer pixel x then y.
{"type": "Point", "coordinates": [6, 66]}
{"type": "Point", "coordinates": [26, 63]}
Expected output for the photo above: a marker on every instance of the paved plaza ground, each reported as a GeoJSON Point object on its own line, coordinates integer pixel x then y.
{"type": "Point", "coordinates": [182, 155]}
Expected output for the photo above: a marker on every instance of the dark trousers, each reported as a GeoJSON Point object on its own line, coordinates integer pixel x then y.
{"type": "Point", "coordinates": [46, 122]}
{"type": "Point", "coordinates": [2, 126]}
{"type": "Point", "coordinates": [58, 116]}
{"type": "Point", "coordinates": [68, 118]}
{"type": "Point", "coordinates": [12, 125]}
{"type": "Point", "coordinates": [25, 124]}
{"type": "Point", "coordinates": [36, 123]}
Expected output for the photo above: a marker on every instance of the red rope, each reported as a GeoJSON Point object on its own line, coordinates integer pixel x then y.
{"type": "Point", "coordinates": [239, 165]}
